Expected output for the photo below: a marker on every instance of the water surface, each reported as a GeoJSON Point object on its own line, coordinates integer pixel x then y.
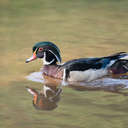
{"type": "Point", "coordinates": [81, 28]}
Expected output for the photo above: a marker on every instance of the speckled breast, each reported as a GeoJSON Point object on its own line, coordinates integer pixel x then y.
{"type": "Point", "coordinates": [53, 71]}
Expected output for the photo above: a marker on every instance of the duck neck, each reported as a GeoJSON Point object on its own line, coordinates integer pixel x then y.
{"type": "Point", "coordinates": [49, 59]}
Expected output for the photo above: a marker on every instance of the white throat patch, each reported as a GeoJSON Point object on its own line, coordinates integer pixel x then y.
{"type": "Point", "coordinates": [46, 62]}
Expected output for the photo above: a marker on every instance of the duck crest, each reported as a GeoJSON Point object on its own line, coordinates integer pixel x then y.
{"type": "Point", "coordinates": [50, 49]}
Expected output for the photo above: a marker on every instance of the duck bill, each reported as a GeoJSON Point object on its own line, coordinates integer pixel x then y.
{"type": "Point", "coordinates": [33, 57]}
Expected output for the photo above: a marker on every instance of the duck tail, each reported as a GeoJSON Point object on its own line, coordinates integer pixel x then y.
{"type": "Point", "coordinates": [119, 55]}
{"type": "Point", "coordinates": [124, 56]}
{"type": "Point", "coordinates": [120, 67]}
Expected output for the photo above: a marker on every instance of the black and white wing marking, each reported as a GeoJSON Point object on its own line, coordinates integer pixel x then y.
{"type": "Point", "coordinates": [84, 64]}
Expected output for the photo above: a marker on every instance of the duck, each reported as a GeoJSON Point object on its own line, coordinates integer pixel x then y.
{"type": "Point", "coordinates": [45, 99]}
{"type": "Point", "coordinates": [81, 69]}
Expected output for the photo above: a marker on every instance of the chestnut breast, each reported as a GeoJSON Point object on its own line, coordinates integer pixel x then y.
{"type": "Point", "coordinates": [53, 71]}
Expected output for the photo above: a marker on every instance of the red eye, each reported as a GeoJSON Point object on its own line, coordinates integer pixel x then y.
{"type": "Point", "coordinates": [40, 49]}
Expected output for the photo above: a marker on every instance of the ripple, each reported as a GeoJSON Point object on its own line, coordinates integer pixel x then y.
{"type": "Point", "coordinates": [104, 82]}
{"type": "Point", "coordinates": [36, 77]}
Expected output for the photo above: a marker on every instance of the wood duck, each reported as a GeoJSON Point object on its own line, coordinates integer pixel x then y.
{"type": "Point", "coordinates": [47, 98]}
{"type": "Point", "coordinates": [83, 69]}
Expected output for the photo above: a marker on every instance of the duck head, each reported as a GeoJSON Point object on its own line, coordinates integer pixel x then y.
{"type": "Point", "coordinates": [48, 51]}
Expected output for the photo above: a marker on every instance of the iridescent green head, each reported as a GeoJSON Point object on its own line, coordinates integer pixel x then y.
{"type": "Point", "coordinates": [46, 50]}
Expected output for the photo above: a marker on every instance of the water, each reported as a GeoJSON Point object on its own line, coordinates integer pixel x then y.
{"type": "Point", "coordinates": [80, 28]}
{"type": "Point", "coordinates": [36, 77]}
{"type": "Point", "coordinates": [101, 83]}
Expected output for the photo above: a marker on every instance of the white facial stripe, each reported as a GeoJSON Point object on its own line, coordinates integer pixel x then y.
{"type": "Point", "coordinates": [55, 56]}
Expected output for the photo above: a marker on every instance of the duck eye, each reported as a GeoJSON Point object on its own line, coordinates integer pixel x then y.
{"type": "Point", "coordinates": [40, 49]}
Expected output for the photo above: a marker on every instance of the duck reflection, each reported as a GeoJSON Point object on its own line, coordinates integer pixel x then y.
{"type": "Point", "coordinates": [118, 89]}
{"type": "Point", "coordinates": [115, 84]}
{"type": "Point", "coordinates": [47, 98]}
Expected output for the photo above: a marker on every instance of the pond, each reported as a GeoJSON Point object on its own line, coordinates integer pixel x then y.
{"type": "Point", "coordinates": [80, 29]}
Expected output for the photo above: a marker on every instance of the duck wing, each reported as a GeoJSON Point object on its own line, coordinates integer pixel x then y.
{"type": "Point", "coordinates": [83, 64]}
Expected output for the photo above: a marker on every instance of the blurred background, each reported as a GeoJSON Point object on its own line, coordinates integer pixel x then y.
{"type": "Point", "coordinates": [80, 28]}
